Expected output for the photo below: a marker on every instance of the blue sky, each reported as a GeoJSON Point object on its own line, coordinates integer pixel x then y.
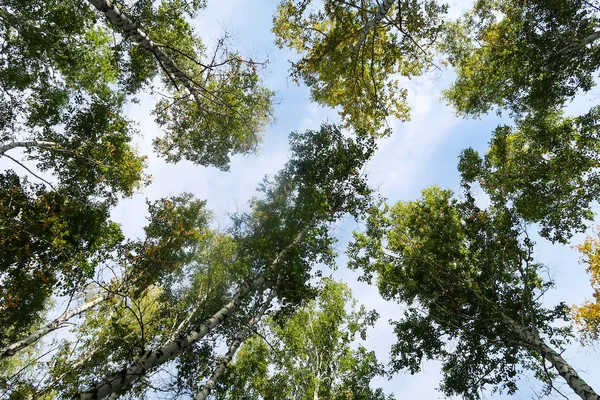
{"type": "Point", "coordinates": [420, 153]}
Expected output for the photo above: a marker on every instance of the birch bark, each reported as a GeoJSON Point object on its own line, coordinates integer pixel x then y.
{"type": "Point", "coordinates": [114, 15]}
{"type": "Point", "coordinates": [26, 144]}
{"type": "Point", "coordinates": [382, 10]}
{"type": "Point", "coordinates": [15, 347]}
{"type": "Point", "coordinates": [154, 358]}
{"type": "Point", "coordinates": [565, 370]}
{"type": "Point", "coordinates": [243, 335]}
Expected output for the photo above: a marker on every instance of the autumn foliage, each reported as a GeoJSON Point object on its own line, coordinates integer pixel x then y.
{"type": "Point", "coordinates": [587, 316]}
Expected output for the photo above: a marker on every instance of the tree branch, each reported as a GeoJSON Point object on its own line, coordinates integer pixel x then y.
{"type": "Point", "coordinates": [30, 171]}
{"type": "Point", "coordinates": [26, 144]}
{"type": "Point", "coordinates": [382, 10]}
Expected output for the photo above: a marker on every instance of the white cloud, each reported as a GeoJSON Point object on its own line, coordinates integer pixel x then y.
{"type": "Point", "coordinates": [405, 159]}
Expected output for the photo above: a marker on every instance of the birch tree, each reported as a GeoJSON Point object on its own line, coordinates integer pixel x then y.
{"type": "Point", "coordinates": [546, 166]}
{"type": "Point", "coordinates": [522, 57]}
{"type": "Point", "coordinates": [278, 242]}
{"type": "Point", "coordinates": [171, 238]}
{"type": "Point", "coordinates": [216, 105]}
{"type": "Point", "coordinates": [241, 335]}
{"type": "Point", "coordinates": [65, 77]}
{"type": "Point", "coordinates": [587, 315]}
{"type": "Point", "coordinates": [531, 59]}
{"type": "Point", "coordinates": [132, 321]}
{"type": "Point", "coordinates": [51, 326]}
{"type": "Point", "coordinates": [57, 103]}
{"type": "Point", "coordinates": [66, 155]}
{"type": "Point", "coordinates": [50, 242]}
{"type": "Point", "coordinates": [351, 52]}
{"type": "Point", "coordinates": [308, 355]}
{"type": "Point", "coordinates": [468, 277]}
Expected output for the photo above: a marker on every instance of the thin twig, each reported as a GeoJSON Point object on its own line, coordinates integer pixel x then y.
{"type": "Point", "coordinates": [30, 171]}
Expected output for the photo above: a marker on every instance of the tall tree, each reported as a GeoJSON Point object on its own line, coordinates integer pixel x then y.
{"type": "Point", "coordinates": [531, 58]}
{"type": "Point", "coordinates": [308, 355]}
{"type": "Point", "coordinates": [58, 108]}
{"type": "Point", "coordinates": [221, 107]}
{"type": "Point", "coordinates": [226, 105]}
{"type": "Point", "coordinates": [523, 56]}
{"type": "Point", "coordinates": [172, 236]}
{"type": "Point", "coordinates": [50, 243]}
{"type": "Point", "coordinates": [472, 290]}
{"type": "Point", "coordinates": [281, 239]}
{"type": "Point", "coordinates": [242, 334]}
{"type": "Point", "coordinates": [57, 101]}
{"type": "Point", "coordinates": [65, 78]}
{"type": "Point", "coordinates": [133, 321]}
{"type": "Point", "coordinates": [351, 51]}
{"type": "Point", "coordinates": [546, 166]}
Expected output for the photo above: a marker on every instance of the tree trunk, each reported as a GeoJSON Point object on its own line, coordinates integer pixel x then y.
{"type": "Point", "coordinates": [175, 334]}
{"type": "Point", "coordinates": [591, 38]}
{"type": "Point", "coordinates": [154, 358]}
{"type": "Point", "coordinates": [243, 335]}
{"type": "Point", "coordinates": [382, 10]}
{"type": "Point", "coordinates": [317, 384]}
{"type": "Point", "coordinates": [127, 26]}
{"type": "Point", "coordinates": [532, 339]}
{"type": "Point", "coordinates": [26, 144]}
{"type": "Point", "coordinates": [581, 44]}
{"type": "Point", "coordinates": [13, 348]}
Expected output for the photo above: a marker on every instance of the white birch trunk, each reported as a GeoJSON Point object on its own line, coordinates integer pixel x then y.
{"type": "Point", "coordinates": [578, 45]}
{"type": "Point", "coordinates": [591, 38]}
{"type": "Point", "coordinates": [154, 358]}
{"type": "Point", "coordinates": [114, 15]}
{"type": "Point", "coordinates": [183, 323]}
{"type": "Point", "coordinates": [26, 144]}
{"type": "Point", "coordinates": [382, 10]}
{"type": "Point", "coordinates": [220, 370]}
{"type": "Point", "coordinates": [13, 348]}
{"type": "Point", "coordinates": [532, 339]}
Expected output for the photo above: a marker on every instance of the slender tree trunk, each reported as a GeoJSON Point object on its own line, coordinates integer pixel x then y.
{"type": "Point", "coordinates": [73, 366]}
{"type": "Point", "coordinates": [591, 38]}
{"type": "Point", "coordinates": [154, 358]}
{"type": "Point", "coordinates": [382, 10]}
{"type": "Point", "coordinates": [183, 323]}
{"type": "Point", "coordinates": [578, 45]}
{"type": "Point", "coordinates": [586, 41]}
{"type": "Point", "coordinates": [13, 348]}
{"type": "Point", "coordinates": [243, 335]}
{"type": "Point", "coordinates": [127, 26]}
{"type": "Point", "coordinates": [573, 379]}
{"type": "Point", "coordinates": [26, 144]}
{"type": "Point", "coordinates": [316, 362]}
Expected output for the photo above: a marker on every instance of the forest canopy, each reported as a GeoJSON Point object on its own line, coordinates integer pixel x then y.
{"type": "Point", "coordinates": [131, 132]}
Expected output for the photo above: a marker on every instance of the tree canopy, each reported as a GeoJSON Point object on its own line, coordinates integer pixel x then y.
{"type": "Point", "coordinates": [526, 57]}
{"type": "Point", "coordinates": [185, 309]}
{"type": "Point", "coordinates": [472, 290]}
{"type": "Point", "coordinates": [66, 77]}
{"type": "Point", "coordinates": [352, 52]}
{"type": "Point", "coordinates": [308, 355]}
{"type": "Point", "coordinates": [547, 167]}
{"type": "Point", "coordinates": [275, 247]}
{"type": "Point", "coordinates": [587, 315]}
{"type": "Point", "coordinates": [532, 59]}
